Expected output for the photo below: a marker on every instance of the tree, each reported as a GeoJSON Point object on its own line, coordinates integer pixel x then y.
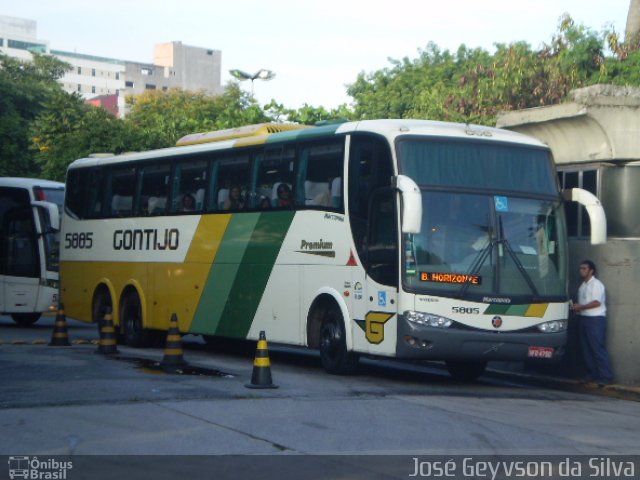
{"type": "Point", "coordinates": [69, 129]}
{"type": "Point", "coordinates": [473, 85]}
{"type": "Point", "coordinates": [307, 114]}
{"type": "Point", "coordinates": [25, 88]}
{"type": "Point", "coordinates": [161, 118]}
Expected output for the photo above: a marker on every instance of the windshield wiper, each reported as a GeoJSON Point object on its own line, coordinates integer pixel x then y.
{"type": "Point", "coordinates": [476, 265]}
{"type": "Point", "coordinates": [521, 269]}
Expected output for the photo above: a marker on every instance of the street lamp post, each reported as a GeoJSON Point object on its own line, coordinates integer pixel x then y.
{"type": "Point", "coordinates": [262, 74]}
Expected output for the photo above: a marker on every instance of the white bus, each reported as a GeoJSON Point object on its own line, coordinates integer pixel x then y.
{"type": "Point", "coordinates": [396, 238]}
{"type": "Point", "coordinates": [29, 221]}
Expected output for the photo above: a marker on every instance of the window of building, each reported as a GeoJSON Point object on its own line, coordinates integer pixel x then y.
{"type": "Point", "coordinates": [117, 75]}
{"type": "Point", "coordinates": [29, 46]}
{"type": "Point", "coordinates": [146, 71]}
{"type": "Point", "coordinates": [79, 70]}
{"type": "Point", "coordinates": [150, 86]}
{"type": "Point", "coordinates": [578, 224]}
{"type": "Point", "coordinates": [93, 89]}
{"type": "Point", "coordinates": [79, 88]}
{"type": "Point", "coordinates": [93, 72]}
{"type": "Point", "coordinates": [128, 84]}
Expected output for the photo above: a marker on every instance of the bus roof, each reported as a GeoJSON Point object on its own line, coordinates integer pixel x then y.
{"type": "Point", "coordinates": [29, 182]}
{"type": "Point", "coordinates": [273, 133]}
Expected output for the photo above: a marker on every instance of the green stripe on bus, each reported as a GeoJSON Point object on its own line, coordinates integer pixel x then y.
{"type": "Point", "coordinates": [253, 274]}
{"type": "Point", "coordinates": [496, 309]}
{"type": "Point", "coordinates": [240, 272]}
{"type": "Point", "coordinates": [223, 272]}
{"type": "Point", "coordinates": [520, 310]}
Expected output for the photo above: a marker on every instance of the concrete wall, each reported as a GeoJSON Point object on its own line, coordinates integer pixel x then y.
{"type": "Point", "coordinates": [618, 264]}
{"type": "Point", "coordinates": [599, 124]}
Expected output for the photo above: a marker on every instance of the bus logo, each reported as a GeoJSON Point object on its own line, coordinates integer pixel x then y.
{"type": "Point", "coordinates": [373, 326]}
{"type": "Point", "coordinates": [496, 322]}
{"type": "Point", "coordinates": [18, 467]}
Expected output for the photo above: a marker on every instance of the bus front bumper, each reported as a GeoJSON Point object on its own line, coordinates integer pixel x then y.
{"type": "Point", "coordinates": [421, 342]}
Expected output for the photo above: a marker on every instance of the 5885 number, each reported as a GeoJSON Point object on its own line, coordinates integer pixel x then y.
{"type": "Point", "coordinates": [78, 240]}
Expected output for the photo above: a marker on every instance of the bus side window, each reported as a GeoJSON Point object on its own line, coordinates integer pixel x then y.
{"type": "Point", "coordinates": [232, 172]}
{"type": "Point", "coordinates": [320, 171]}
{"type": "Point", "coordinates": [190, 181]}
{"type": "Point", "coordinates": [121, 190]}
{"type": "Point", "coordinates": [154, 189]}
{"type": "Point", "coordinates": [274, 174]}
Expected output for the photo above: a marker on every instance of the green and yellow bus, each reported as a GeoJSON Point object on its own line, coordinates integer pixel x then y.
{"type": "Point", "coordinates": [395, 238]}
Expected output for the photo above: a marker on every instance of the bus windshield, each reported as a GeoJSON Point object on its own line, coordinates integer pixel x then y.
{"type": "Point", "coordinates": [477, 165]}
{"type": "Point", "coordinates": [476, 244]}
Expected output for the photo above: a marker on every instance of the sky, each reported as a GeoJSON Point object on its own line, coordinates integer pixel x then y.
{"type": "Point", "coordinates": [316, 48]}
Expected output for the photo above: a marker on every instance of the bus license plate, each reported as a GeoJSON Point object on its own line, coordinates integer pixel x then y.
{"type": "Point", "coordinates": [540, 352]}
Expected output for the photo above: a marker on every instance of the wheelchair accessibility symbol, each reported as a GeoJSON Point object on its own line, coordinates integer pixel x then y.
{"type": "Point", "coordinates": [501, 203]}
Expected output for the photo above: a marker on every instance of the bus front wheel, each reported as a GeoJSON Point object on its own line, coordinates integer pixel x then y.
{"type": "Point", "coordinates": [333, 344]}
{"type": "Point", "coordinates": [25, 319]}
{"type": "Point", "coordinates": [466, 371]}
{"type": "Point", "coordinates": [131, 319]}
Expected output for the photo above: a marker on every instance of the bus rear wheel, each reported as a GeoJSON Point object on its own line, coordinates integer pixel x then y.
{"type": "Point", "coordinates": [101, 301]}
{"type": "Point", "coordinates": [333, 344]}
{"type": "Point", "coordinates": [466, 371]}
{"type": "Point", "coordinates": [131, 319]}
{"type": "Point", "coordinates": [25, 319]}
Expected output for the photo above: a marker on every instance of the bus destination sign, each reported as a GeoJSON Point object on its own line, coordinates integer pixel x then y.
{"type": "Point", "coordinates": [439, 277]}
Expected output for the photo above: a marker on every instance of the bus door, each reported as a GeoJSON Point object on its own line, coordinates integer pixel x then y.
{"type": "Point", "coordinates": [381, 265]}
{"type": "Point", "coordinates": [20, 261]}
{"type": "Point", "coordinates": [372, 214]}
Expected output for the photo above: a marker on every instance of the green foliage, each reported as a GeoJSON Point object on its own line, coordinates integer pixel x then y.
{"type": "Point", "coordinates": [25, 87]}
{"type": "Point", "coordinates": [473, 85]}
{"type": "Point", "coordinates": [161, 118]}
{"type": "Point", "coordinates": [43, 129]}
{"type": "Point", "coordinates": [307, 114]}
{"type": "Point", "coordinates": [69, 129]}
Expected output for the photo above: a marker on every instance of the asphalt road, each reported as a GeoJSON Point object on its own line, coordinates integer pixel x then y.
{"type": "Point", "coordinates": [72, 401]}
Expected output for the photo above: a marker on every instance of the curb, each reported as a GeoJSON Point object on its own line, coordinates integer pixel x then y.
{"type": "Point", "coordinates": [615, 390]}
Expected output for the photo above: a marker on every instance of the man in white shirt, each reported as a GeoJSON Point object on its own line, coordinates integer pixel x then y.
{"type": "Point", "coordinates": [593, 325]}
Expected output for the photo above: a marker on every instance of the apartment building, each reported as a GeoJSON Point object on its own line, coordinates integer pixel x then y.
{"type": "Point", "coordinates": [100, 79]}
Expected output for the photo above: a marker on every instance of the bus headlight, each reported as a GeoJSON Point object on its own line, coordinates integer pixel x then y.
{"type": "Point", "coordinates": [553, 326]}
{"type": "Point", "coordinates": [428, 319]}
{"type": "Point", "coordinates": [50, 283]}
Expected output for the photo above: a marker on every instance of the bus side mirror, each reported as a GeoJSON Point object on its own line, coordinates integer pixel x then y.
{"type": "Point", "coordinates": [51, 212]}
{"type": "Point", "coordinates": [595, 211]}
{"type": "Point", "coordinates": [411, 203]}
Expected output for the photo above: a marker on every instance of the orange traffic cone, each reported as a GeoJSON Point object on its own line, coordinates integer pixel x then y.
{"type": "Point", "coordinates": [173, 359]}
{"type": "Point", "coordinates": [60, 338]}
{"type": "Point", "coordinates": [261, 376]}
{"type": "Point", "coordinates": [107, 344]}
